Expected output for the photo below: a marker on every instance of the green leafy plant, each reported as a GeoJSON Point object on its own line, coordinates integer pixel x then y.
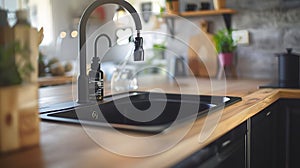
{"type": "Point", "coordinates": [25, 67]}
{"type": "Point", "coordinates": [159, 50]}
{"type": "Point", "coordinates": [162, 10]}
{"type": "Point", "coordinates": [159, 46]}
{"type": "Point", "coordinates": [10, 72]}
{"type": "Point", "coordinates": [224, 42]}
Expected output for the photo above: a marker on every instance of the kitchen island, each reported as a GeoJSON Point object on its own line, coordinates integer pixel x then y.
{"type": "Point", "coordinates": [66, 145]}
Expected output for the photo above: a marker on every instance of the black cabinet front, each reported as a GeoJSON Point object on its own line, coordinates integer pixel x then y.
{"type": "Point", "coordinates": [229, 151]}
{"type": "Point", "coordinates": [261, 147]}
{"type": "Point", "coordinates": [292, 117]}
{"type": "Point", "coordinates": [273, 141]}
{"type": "Point", "coordinates": [275, 136]}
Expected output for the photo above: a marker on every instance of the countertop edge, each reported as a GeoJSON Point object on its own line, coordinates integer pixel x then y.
{"type": "Point", "coordinates": [249, 106]}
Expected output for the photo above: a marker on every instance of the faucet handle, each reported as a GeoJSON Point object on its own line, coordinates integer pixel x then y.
{"type": "Point", "coordinates": [138, 51]}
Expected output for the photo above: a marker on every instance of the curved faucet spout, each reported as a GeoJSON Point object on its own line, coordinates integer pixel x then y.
{"type": "Point", "coordinates": [96, 42]}
{"type": "Point", "coordinates": [83, 80]}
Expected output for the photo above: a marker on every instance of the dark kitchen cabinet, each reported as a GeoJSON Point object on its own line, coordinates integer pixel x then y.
{"type": "Point", "coordinates": [291, 108]}
{"type": "Point", "coordinates": [262, 135]}
{"type": "Point", "coordinates": [272, 141]}
{"type": "Point", "coordinates": [227, 151]}
{"type": "Point", "coordinates": [275, 136]}
{"type": "Point", "coordinates": [280, 136]}
{"type": "Point", "coordinates": [268, 137]}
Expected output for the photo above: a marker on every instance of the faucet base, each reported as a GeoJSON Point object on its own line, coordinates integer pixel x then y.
{"type": "Point", "coordinates": [83, 95]}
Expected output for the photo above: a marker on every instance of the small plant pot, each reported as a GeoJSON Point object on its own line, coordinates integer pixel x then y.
{"type": "Point", "coordinates": [226, 59]}
{"type": "Point", "coordinates": [219, 4]}
{"type": "Point", "coordinates": [172, 7]}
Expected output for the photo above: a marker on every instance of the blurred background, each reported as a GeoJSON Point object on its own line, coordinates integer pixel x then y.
{"type": "Point", "coordinates": [273, 25]}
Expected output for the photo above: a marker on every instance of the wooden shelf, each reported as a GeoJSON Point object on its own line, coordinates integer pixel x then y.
{"type": "Point", "coordinates": [226, 13]}
{"type": "Point", "coordinates": [207, 12]}
{"type": "Point", "coordinates": [201, 13]}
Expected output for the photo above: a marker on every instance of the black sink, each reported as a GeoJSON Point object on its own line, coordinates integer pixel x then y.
{"type": "Point", "coordinates": [141, 111]}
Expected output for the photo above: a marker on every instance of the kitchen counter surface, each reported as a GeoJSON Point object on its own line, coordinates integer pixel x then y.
{"type": "Point", "coordinates": [65, 145]}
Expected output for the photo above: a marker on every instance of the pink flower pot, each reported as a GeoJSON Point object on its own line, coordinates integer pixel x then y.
{"type": "Point", "coordinates": [226, 59]}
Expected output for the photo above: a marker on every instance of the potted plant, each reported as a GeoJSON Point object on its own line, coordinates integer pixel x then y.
{"type": "Point", "coordinates": [225, 46]}
{"type": "Point", "coordinates": [172, 6]}
{"type": "Point", "coordinates": [18, 87]}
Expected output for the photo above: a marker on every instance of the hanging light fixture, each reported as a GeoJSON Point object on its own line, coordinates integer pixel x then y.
{"type": "Point", "coordinates": [120, 12]}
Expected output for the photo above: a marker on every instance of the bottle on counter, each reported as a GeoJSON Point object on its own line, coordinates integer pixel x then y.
{"type": "Point", "coordinates": [3, 18]}
{"type": "Point", "coordinates": [5, 31]}
{"type": "Point", "coordinates": [96, 85]}
{"type": "Point", "coordinates": [22, 18]}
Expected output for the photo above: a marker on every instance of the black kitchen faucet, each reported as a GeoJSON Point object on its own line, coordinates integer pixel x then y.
{"type": "Point", "coordinates": [83, 78]}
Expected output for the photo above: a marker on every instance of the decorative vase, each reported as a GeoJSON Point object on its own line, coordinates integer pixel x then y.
{"type": "Point", "coordinates": [172, 7]}
{"type": "Point", "coordinates": [226, 59]}
{"type": "Point", "coordinates": [219, 4]}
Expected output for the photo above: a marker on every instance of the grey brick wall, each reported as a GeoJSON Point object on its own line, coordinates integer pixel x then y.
{"type": "Point", "coordinates": [273, 25]}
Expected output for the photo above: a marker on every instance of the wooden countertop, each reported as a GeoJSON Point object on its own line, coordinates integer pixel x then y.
{"type": "Point", "coordinates": [64, 145]}
{"type": "Point", "coordinates": [55, 80]}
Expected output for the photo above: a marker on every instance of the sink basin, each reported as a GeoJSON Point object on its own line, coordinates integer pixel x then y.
{"type": "Point", "coordinates": [140, 111]}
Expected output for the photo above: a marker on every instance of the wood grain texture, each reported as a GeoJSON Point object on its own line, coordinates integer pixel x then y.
{"type": "Point", "coordinates": [19, 117]}
{"type": "Point", "coordinates": [207, 12]}
{"type": "Point", "coordinates": [64, 145]}
{"type": "Point", "coordinates": [55, 80]}
{"type": "Point", "coordinates": [9, 119]}
{"type": "Point", "coordinates": [203, 60]}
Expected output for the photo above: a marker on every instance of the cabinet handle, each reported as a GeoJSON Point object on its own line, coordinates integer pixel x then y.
{"type": "Point", "coordinates": [226, 143]}
{"type": "Point", "coordinates": [268, 113]}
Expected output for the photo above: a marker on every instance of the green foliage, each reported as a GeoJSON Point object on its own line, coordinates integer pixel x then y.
{"type": "Point", "coordinates": [25, 68]}
{"type": "Point", "coordinates": [161, 10]}
{"type": "Point", "coordinates": [158, 50]}
{"type": "Point", "coordinates": [159, 46]}
{"type": "Point", "coordinates": [224, 42]}
{"type": "Point", "coordinates": [10, 73]}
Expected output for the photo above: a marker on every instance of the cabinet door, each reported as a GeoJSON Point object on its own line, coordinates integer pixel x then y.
{"type": "Point", "coordinates": [261, 139]}
{"type": "Point", "coordinates": [280, 136]}
{"type": "Point", "coordinates": [292, 110]}
{"type": "Point", "coordinates": [232, 148]}
{"type": "Point", "coordinates": [227, 151]}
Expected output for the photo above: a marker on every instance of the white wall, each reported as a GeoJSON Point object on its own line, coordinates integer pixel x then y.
{"type": "Point", "coordinates": [41, 16]}
{"type": "Point", "coordinates": [56, 16]}
{"type": "Point", "coordinates": [11, 5]}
